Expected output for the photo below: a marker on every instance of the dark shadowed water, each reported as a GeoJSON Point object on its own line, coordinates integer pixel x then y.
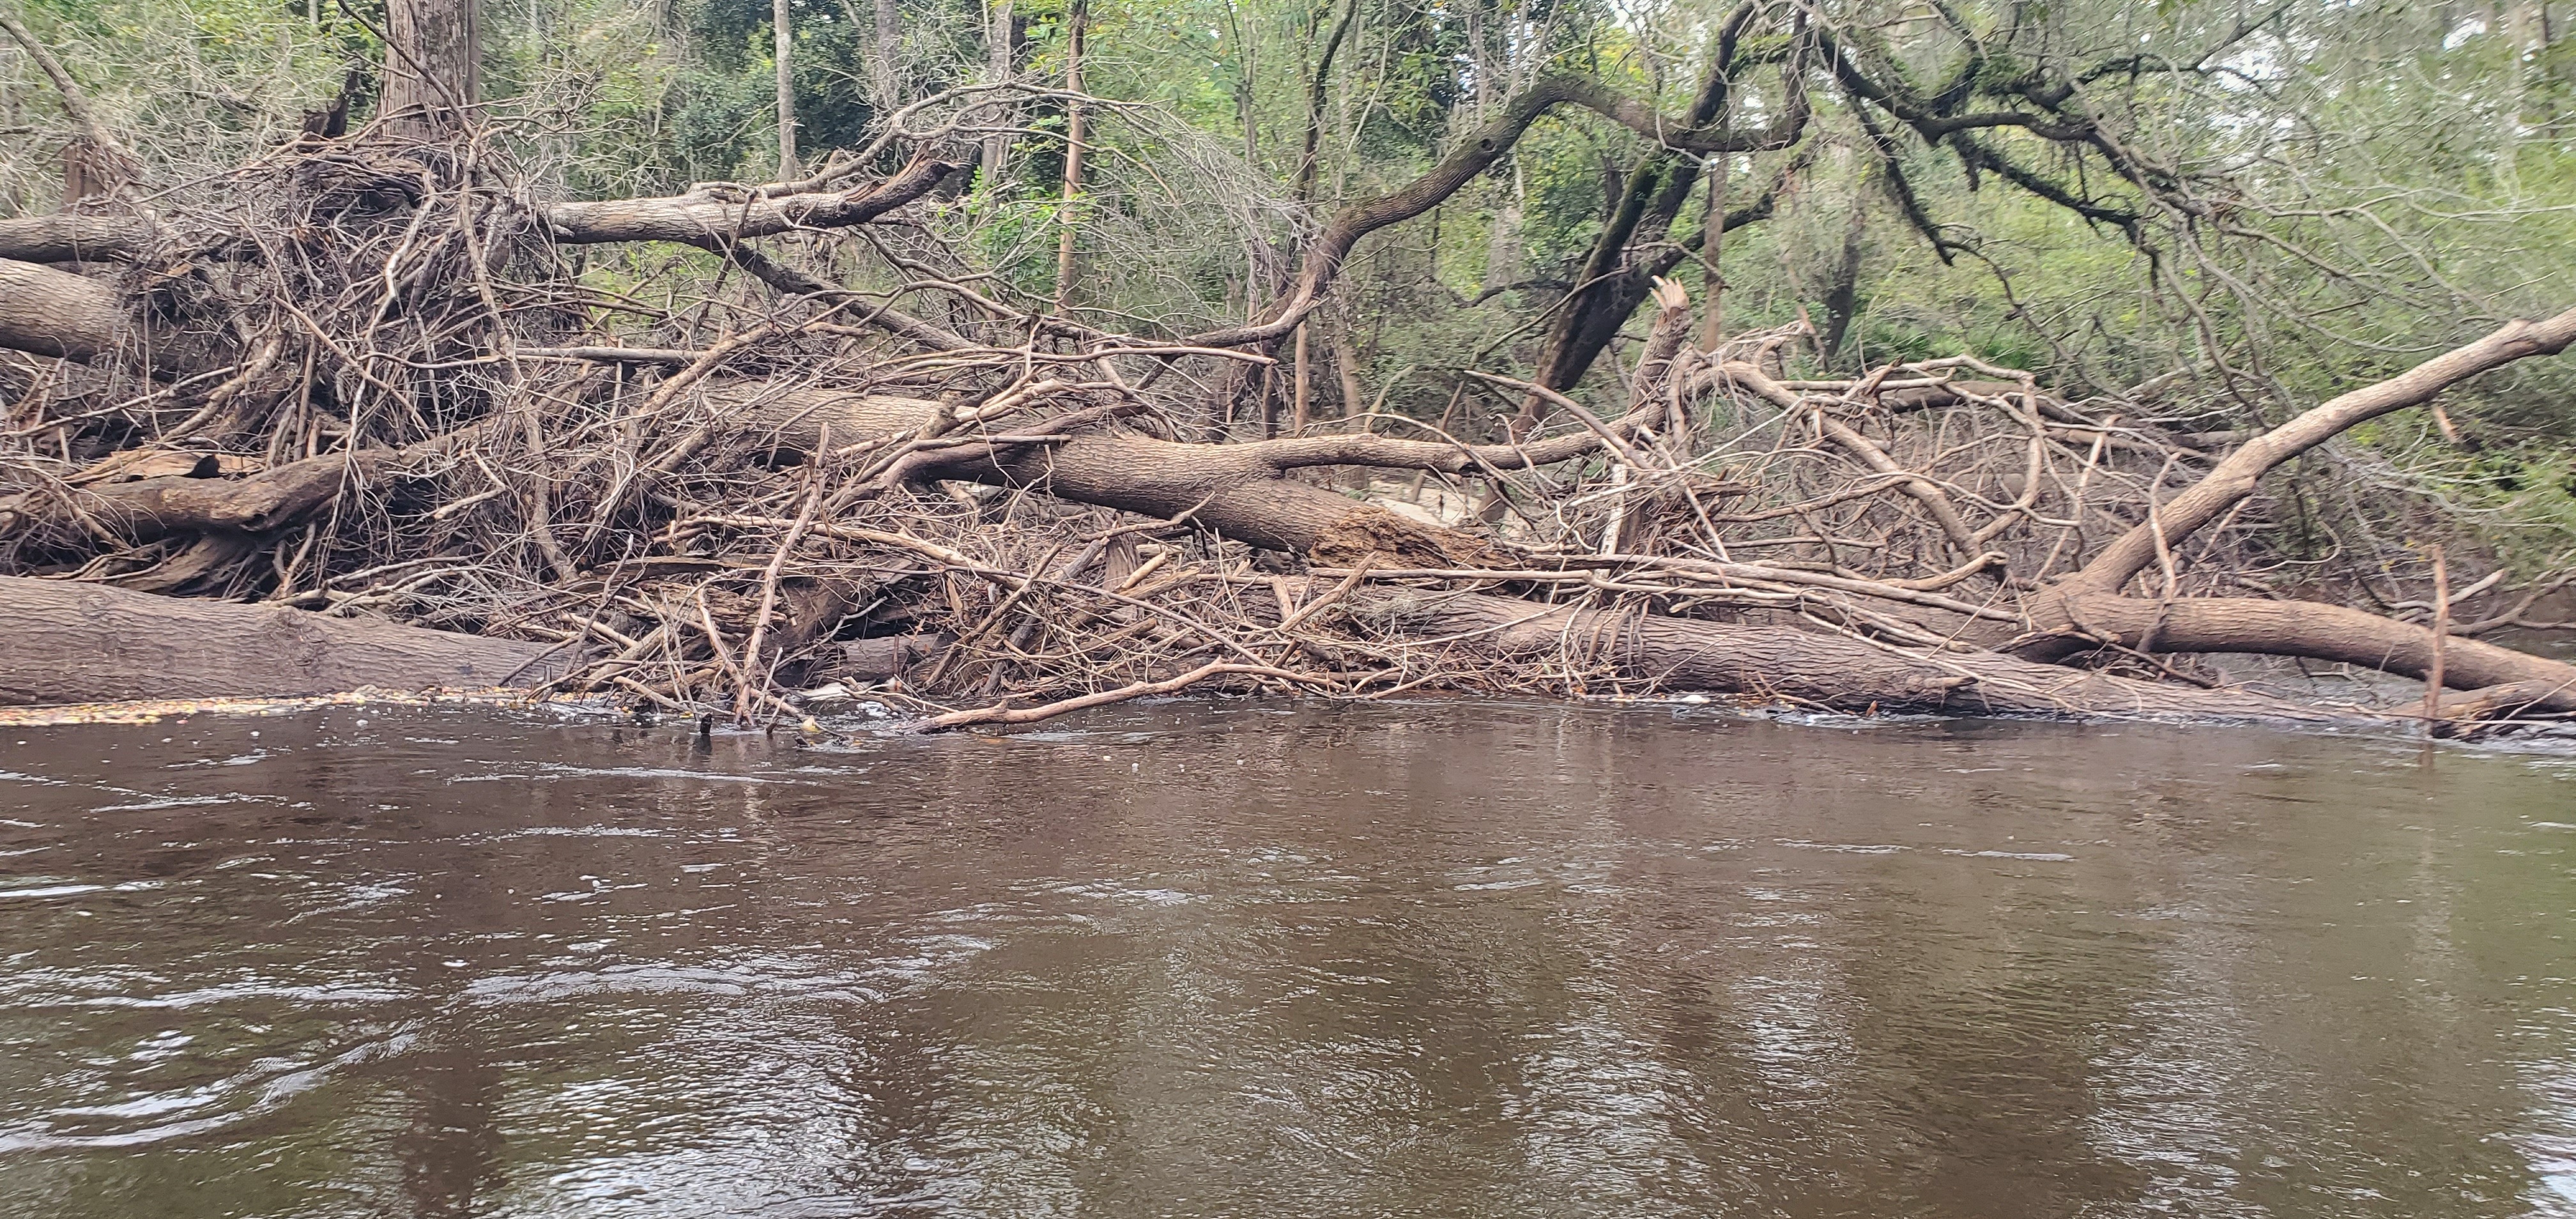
{"type": "Point", "coordinates": [1256, 960]}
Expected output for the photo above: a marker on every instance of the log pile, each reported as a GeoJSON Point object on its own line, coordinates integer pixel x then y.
{"type": "Point", "coordinates": [376, 381]}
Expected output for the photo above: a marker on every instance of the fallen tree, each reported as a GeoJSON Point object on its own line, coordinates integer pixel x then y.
{"type": "Point", "coordinates": [72, 642]}
{"type": "Point", "coordinates": [366, 377]}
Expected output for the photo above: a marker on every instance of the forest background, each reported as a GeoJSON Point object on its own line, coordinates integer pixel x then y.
{"type": "Point", "coordinates": [2406, 174]}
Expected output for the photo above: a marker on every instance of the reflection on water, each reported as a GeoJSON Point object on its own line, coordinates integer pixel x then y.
{"type": "Point", "coordinates": [1255, 959]}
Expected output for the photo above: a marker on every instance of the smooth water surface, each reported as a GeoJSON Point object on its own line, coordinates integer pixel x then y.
{"type": "Point", "coordinates": [1268, 960]}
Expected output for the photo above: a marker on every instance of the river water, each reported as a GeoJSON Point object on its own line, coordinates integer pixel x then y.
{"type": "Point", "coordinates": [1273, 959]}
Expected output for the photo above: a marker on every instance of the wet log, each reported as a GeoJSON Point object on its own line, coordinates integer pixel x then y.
{"type": "Point", "coordinates": [2510, 699]}
{"type": "Point", "coordinates": [1831, 671]}
{"type": "Point", "coordinates": [2320, 632]}
{"type": "Point", "coordinates": [72, 643]}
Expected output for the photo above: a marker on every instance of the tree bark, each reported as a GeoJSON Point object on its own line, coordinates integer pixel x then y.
{"type": "Point", "coordinates": [706, 218]}
{"type": "Point", "coordinates": [998, 61]}
{"type": "Point", "coordinates": [433, 65]}
{"type": "Point", "coordinates": [71, 237]}
{"type": "Point", "coordinates": [1077, 20]}
{"type": "Point", "coordinates": [2317, 632]}
{"type": "Point", "coordinates": [1712, 236]}
{"type": "Point", "coordinates": [56, 313]}
{"type": "Point", "coordinates": [94, 163]}
{"type": "Point", "coordinates": [889, 44]}
{"type": "Point", "coordinates": [71, 642]}
{"type": "Point", "coordinates": [1823, 670]}
{"type": "Point", "coordinates": [177, 505]}
{"type": "Point", "coordinates": [783, 44]}
{"type": "Point", "coordinates": [2236, 477]}
{"type": "Point", "coordinates": [1316, 81]}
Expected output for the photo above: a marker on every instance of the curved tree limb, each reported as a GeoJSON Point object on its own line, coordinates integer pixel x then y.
{"type": "Point", "coordinates": [1473, 155]}
{"type": "Point", "coordinates": [2236, 477]}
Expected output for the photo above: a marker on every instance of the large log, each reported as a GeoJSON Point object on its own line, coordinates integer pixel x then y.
{"type": "Point", "coordinates": [72, 643]}
{"type": "Point", "coordinates": [57, 313]}
{"type": "Point", "coordinates": [1239, 490]}
{"type": "Point", "coordinates": [72, 237]}
{"type": "Point", "coordinates": [2319, 632]}
{"type": "Point", "coordinates": [276, 498]}
{"type": "Point", "coordinates": [707, 217]}
{"type": "Point", "coordinates": [2236, 477]}
{"type": "Point", "coordinates": [1808, 667]}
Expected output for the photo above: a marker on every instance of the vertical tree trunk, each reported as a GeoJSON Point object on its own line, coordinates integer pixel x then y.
{"type": "Point", "coordinates": [1603, 296]}
{"type": "Point", "coordinates": [93, 162]}
{"type": "Point", "coordinates": [1503, 248]}
{"type": "Point", "coordinates": [433, 65]}
{"type": "Point", "coordinates": [1315, 90]}
{"type": "Point", "coordinates": [1712, 323]}
{"type": "Point", "coordinates": [1073, 135]}
{"type": "Point", "coordinates": [1243, 100]}
{"type": "Point", "coordinates": [1842, 297]}
{"type": "Point", "coordinates": [1297, 407]}
{"type": "Point", "coordinates": [889, 44]}
{"type": "Point", "coordinates": [1609, 287]}
{"type": "Point", "coordinates": [997, 58]}
{"type": "Point", "coordinates": [1346, 364]}
{"type": "Point", "coordinates": [783, 34]}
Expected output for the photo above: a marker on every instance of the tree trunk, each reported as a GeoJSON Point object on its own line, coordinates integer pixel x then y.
{"type": "Point", "coordinates": [71, 643]}
{"type": "Point", "coordinates": [1823, 670]}
{"type": "Point", "coordinates": [1712, 236]}
{"type": "Point", "coordinates": [783, 45]}
{"type": "Point", "coordinates": [889, 44]}
{"type": "Point", "coordinates": [1842, 297]}
{"type": "Point", "coordinates": [1073, 138]}
{"type": "Point", "coordinates": [2317, 632]}
{"type": "Point", "coordinates": [998, 65]}
{"type": "Point", "coordinates": [94, 162]}
{"type": "Point", "coordinates": [1316, 82]}
{"type": "Point", "coordinates": [433, 65]}
{"type": "Point", "coordinates": [56, 313]}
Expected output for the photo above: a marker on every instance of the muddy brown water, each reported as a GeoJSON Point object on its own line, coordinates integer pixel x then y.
{"type": "Point", "coordinates": [1281, 960]}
